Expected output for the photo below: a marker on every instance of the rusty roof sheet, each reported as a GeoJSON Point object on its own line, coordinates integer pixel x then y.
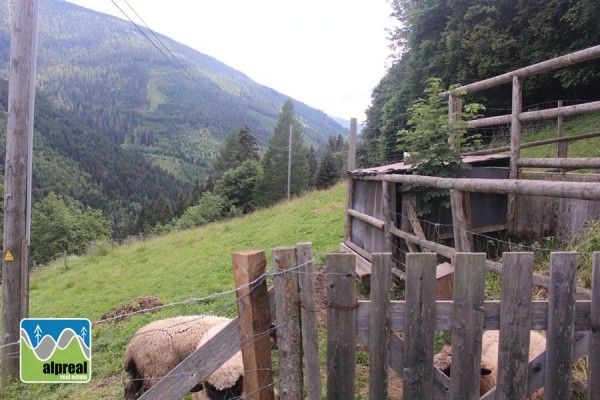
{"type": "Point", "coordinates": [495, 160]}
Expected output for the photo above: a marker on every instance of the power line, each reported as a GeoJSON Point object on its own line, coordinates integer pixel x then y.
{"type": "Point", "coordinates": [183, 69]}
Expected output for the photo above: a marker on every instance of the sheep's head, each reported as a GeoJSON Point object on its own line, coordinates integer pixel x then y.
{"type": "Point", "coordinates": [443, 362]}
{"type": "Point", "coordinates": [229, 393]}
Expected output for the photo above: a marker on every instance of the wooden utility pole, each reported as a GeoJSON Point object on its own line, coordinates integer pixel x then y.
{"type": "Point", "coordinates": [289, 182]}
{"type": "Point", "coordinates": [352, 145]}
{"type": "Point", "coordinates": [21, 94]}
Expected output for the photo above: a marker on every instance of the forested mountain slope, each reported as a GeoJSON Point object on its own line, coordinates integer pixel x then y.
{"type": "Point", "coordinates": [72, 160]}
{"type": "Point", "coordinates": [175, 105]}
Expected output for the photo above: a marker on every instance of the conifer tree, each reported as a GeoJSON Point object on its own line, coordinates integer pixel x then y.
{"type": "Point", "coordinates": [272, 186]}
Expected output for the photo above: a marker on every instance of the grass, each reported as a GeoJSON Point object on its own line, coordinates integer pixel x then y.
{"type": "Point", "coordinates": [188, 270]}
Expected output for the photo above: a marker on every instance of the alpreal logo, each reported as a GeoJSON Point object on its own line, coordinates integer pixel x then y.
{"type": "Point", "coordinates": [56, 350]}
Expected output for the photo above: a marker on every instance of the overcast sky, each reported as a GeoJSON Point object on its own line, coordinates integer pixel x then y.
{"type": "Point", "coordinates": [329, 54]}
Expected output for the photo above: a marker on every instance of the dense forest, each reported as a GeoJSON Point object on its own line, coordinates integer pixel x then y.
{"type": "Point", "coordinates": [463, 41]}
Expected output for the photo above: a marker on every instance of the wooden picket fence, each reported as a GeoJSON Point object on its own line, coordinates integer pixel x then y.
{"type": "Point", "coordinates": [571, 327]}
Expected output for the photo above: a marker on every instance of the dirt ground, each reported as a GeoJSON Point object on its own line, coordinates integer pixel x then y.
{"type": "Point", "coordinates": [140, 305]}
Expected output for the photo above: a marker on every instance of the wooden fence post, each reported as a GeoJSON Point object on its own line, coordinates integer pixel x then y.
{"type": "Point", "coordinates": [380, 325]}
{"type": "Point", "coordinates": [310, 338]}
{"type": "Point", "coordinates": [467, 325]}
{"type": "Point", "coordinates": [287, 305]}
{"type": "Point", "coordinates": [594, 365]}
{"type": "Point", "coordinates": [341, 325]}
{"type": "Point", "coordinates": [561, 325]}
{"type": "Point", "coordinates": [515, 324]}
{"type": "Point", "coordinates": [419, 313]}
{"type": "Point", "coordinates": [253, 310]}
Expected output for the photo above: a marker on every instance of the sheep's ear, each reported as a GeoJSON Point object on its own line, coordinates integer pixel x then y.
{"type": "Point", "coordinates": [485, 371]}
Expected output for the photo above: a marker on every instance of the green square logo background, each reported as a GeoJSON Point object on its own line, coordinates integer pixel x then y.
{"type": "Point", "coordinates": [56, 350]}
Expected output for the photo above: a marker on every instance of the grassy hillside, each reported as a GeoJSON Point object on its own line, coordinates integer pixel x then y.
{"type": "Point", "coordinates": [190, 271]}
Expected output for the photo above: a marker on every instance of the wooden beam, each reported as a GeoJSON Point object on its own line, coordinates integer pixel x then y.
{"type": "Point", "coordinates": [567, 163]}
{"type": "Point", "coordinates": [377, 223]}
{"type": "Point", "coordinates": [544, 66]}
{"type": "Point", "coordinates": [569, 190]}
{"type": "Point", "coordinates": [195, 369]}
{"type": "Point", "coordinates": [544, 142]}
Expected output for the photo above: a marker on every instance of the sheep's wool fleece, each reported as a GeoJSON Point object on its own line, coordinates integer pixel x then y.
{"type": "Point", "coordinates": [228, 374]}
{"type": "Point", "coordinates": [158, 347]}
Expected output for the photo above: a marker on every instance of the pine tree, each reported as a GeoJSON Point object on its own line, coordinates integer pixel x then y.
{"type": "Point", "coordinates": [229, 156]}
{"type": "Point", "coordinates": [249, 149]}
{"type": "Point", "coordinates": [327, 174]}
{"type": "Point", "coordinates": [312, 166]}
{"type": "Point", "coordinates": [273, 184]}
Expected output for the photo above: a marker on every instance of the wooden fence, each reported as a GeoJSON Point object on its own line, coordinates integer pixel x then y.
{"type": "Point", "coordinates": [400, 334]}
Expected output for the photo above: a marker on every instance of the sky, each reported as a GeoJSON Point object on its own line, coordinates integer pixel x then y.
{"type": "Point", "coordinates": [328, 54]}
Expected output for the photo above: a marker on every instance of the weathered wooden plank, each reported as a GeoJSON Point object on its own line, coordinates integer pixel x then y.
{"type": "Point", "coordinates": [196, 368]}
{"type": "Point", "coordinates": [444, 281]}
{"type": "Point", "coordinates": [310, 338]}
{"type": "Point", "coordinates": [379, 342]}
{"type": "Point", "coordinates": [253, 313]}
{"type": "Point", "coordinates": [461, 220]}
{"type": "Point", "coordinates": [491, 315]}
{"type": "Point", "coordinates": [515, 319]}
{"type": "Point", "coordinates": [594, 343]}
{"type": "Point", "coordinates": [388, 207]}
{"type": "Point", "coordinates": [411, 213]}
{"type": "Point", "coordinates": [349, 205]}
{"type": "Point", "coordinates": [287, 307]}
{"type": "Point", "coordinates": [561, 321]}
{"type": "Point", "coordinates": [341, 326]}
{"type": "Point", "coordinates": [409, 202]}
{"type": "Point", "coordinates": [419, 332]}
{"type": "Point", "coordinates": [467, 325]}
{"type": "Point", "coordinates": [363, 264]}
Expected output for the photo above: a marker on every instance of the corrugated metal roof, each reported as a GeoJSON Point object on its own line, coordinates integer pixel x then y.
{"type": "Point", "coordinates": [493, 160]}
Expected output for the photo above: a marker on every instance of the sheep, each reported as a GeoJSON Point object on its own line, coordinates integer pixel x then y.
{"type": "Point", "coordinates": [227, 382]}
{"type": "Point", "coordinates": [160, 346]}
{"type": "Point", "coordinates": [489, 359]}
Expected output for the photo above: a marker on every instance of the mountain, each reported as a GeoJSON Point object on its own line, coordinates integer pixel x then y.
{"type": "Point", "coordinates": [124, 116]}
{"type": "Point", "coordinates": [148, 93]}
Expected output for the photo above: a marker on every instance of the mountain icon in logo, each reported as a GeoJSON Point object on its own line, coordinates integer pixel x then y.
{"type": "Point", "coordinates": [55, 350]}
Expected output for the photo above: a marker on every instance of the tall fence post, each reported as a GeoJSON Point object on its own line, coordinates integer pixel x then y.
{"type": "Point", "coordinates": [594, 365]}
{"type": "Point", "coordinates": [341, 325]}
{"type": "Point", "coordinates": [561, 325]}
{"type": "Point", "coordinates": [515, 323]}
{"type": "Point", "coordinates": [310, 338]}
{"type": "Point", "coordinates": [380, 325]}
{"type": "Point", "coordinates": [419, 329]}
{"type": "Point", "coordinates": [467, 324]}
{"type": "Point", "coordinates": [287, 305]}
{"type": "Point", "coordinates": [254, 318]}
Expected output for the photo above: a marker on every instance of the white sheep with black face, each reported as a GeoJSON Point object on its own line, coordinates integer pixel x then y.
{"type": "Point", "coordinates": [160, 346]}
{"type": "Point", "coordinates": [227, 382]}
{"type": "Point", "coordinates": [489, 359]}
